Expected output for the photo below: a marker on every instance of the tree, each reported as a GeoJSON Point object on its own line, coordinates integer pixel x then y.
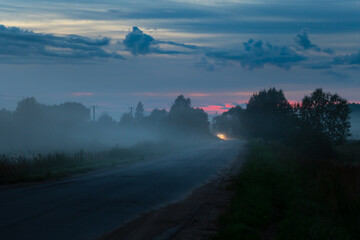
{"type": "Point", "coordinates": [185, 120]}
{"type": "Point", "coordinates": [73, 112]}
{"type": "Point", "coordinates": [139, 112]}
{"type": "Point", "coordinates": [156, 117]}
{"type": "Point", "coordinates": [269, 115]}
{"type": "Point", "coordinates": [28, 108]}
{"type": "Point", "coordinates": [328, 114]}
{"type": "Point", "coordinates": [126, 120]}
{"type": "Point", "coordinates": [270, 101]}
{"type": "Point", "coordinates": [181, 103]}
{"type": "Point", "coordinates": [106, 121]}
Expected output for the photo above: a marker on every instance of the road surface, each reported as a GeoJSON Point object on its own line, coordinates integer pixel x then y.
{"type": "Point", "coordinates": [88, 206]}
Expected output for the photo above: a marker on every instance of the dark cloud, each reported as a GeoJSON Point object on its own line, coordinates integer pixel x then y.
{"type": "Point", "coordinates": [303, 41]}
{"type": "Point", "coordinates": [351, 59]}
{"type": "Point", "coordinates": [16, 42]}
{"type": "Point", "coordinates": [256, 54]}
{"type": "Point", "coordinates": [139, 43]}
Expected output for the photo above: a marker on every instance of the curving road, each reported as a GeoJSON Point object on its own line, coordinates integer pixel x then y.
{"type": "Point", "coordinates": [88, 206]}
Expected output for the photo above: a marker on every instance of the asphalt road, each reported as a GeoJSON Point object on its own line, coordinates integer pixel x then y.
{"type": "Point", "coordinates": [86, 207]}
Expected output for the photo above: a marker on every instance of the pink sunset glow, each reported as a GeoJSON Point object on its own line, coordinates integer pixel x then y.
{"type": "Point", "coordinates": [217, 109]}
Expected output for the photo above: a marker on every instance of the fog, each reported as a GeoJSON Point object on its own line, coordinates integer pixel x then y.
{"type": "Point", "coordinates": [34, 127]}
{"type": "Point", "coordinates": [355, 124]}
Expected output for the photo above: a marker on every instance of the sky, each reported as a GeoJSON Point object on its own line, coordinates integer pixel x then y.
{"type": "Point", "coordinates": [114, 53]}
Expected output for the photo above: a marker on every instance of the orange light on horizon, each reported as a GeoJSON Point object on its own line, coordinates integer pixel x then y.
{"type": "Point", "coordinates": [221, 136]}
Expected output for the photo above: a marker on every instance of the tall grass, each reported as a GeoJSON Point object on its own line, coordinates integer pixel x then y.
{"type": "Point", "coordinates": [38, 167]}
{"type": "Point", "coordinates": [294, 196]}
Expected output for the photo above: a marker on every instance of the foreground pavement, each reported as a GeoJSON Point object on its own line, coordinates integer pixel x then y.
{"type": "Point", "coordinates": [89, 206]}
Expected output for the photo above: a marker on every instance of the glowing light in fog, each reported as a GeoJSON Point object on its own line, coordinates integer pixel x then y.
{"type": "Point", "coordinates": [221, 136]}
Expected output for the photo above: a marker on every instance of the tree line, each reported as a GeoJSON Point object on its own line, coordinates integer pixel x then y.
{"type": "Point", "coordinates": [323, 117]}
{"type": "Point", "coordinates": [319, 120]}
{"type": "Point", "coordinates": [36, 127]}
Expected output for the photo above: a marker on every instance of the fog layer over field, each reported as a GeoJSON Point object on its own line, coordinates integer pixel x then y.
{"type": "Point", "coordinates": [39, 128]}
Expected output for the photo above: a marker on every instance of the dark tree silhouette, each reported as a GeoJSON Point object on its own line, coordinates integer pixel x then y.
{"type": "Point", "coordinates": [157, 117]}
{"type": "Point", "coordinates": [270, 101]}
{"type": "Point", "coordinates": [181, 103]}
{"type": "Point", "coordinates": [269, 115]}
{"type": "Point", "coordinates": [187, 121]}
{"type": "Point", "coordinates": [327, 113]}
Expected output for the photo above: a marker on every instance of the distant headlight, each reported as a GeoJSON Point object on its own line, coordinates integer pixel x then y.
{"type": "Point", "coordinates": [221, 136]}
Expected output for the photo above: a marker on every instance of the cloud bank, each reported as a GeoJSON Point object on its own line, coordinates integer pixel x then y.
{"type": "Point", "coordinates": [256, 54]}
{"type": "Point", "coordinates": [350, 59]}
{"type": "Point", "coordinates": [16, 42]}
{"type": "Point", "coordinates": [253, 54]}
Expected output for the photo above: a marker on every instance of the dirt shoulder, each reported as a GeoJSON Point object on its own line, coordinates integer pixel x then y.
{"type": "Point", "coordinates": [192, 218]}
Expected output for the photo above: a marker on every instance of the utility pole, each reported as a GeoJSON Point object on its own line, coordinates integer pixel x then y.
{"type": "Point", "coordinates": [131, 112]}
{"type": "Point", "coordinates": [93, 111]}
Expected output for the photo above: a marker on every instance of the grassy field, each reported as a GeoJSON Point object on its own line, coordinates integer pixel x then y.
{"type": "Point", "coordinates": [16, 169]}
{"type": "Point", "coordinates": [281, 194]}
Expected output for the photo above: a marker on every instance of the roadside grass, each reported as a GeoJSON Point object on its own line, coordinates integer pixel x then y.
{"type": "Point", "coordinates": [350, 153]}
{"type": "Point", "coordinates": [281, 194]}
{"type": "Point", "coordinates": [38, 167]}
